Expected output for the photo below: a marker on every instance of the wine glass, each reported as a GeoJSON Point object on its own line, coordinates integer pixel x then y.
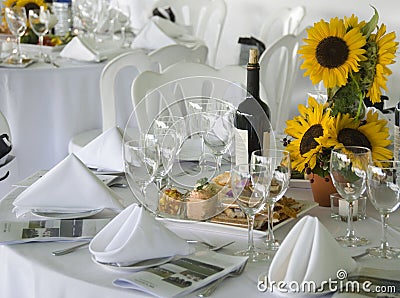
{"type": "Point", "coordinates": [278, 162]}
{"type": "Point", "coordinates": [88, 12]}
{"type": "Point", "coordinates": [167, 143]}
{"type": "Point", "coordinates": [219, 133]}
{"type": "Point", "coordinates": [250, 185]}
{"type": "Point", "coordinates": [39, 20]}
{"type": "Point", "coordinates": [141, 164]}
{"type": "Point", "coordinates": [123, 17]}
{"type": "Point", "coordinates": [348, 170]}
{"type": "Point", "coordinates": [383, 185]}
{"type": "Point", "coordinates": [16, 20]}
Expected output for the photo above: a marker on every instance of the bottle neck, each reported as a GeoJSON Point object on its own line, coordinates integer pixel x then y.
{"type": "Point", "coordinates": [253, 80]}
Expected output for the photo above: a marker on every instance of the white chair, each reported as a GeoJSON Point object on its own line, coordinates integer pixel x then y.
{"type": "Point", "coordinates": [281, 22]}
{"type": "Point", "coordinates": [279, 65]}
{"type": "Point", "coordinates": [8, 168]}
{"type": "Point", "coordinates": [134, 62]}
{"type": "Point", "coordinates": [206, 18]}
{"type": "Point", "coordinates": [152, 92]}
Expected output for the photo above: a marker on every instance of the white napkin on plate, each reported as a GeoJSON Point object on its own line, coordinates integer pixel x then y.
{"type": "Point", "coordinates": [82, 49]}
{"type": "Point", "coordinates": [133, 236]}
{"type": "Point", "coordinates": [309, 253]}
{"type": "Point", "coordinates": [105, 151]}
{"type": "Point", "coordinates": [68, 187]}
{"type": "Point", "coordinates": [157, 33]}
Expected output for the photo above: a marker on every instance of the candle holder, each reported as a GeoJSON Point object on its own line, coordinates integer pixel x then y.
{"type": "Point", "coordinates": [340, 208]}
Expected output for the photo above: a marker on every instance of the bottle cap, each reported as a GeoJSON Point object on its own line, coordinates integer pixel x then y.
{"type": "Point", "coordinates": [253, 56]}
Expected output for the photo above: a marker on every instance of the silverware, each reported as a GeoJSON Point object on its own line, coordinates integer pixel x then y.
{"type": "Point", "coordinates": [69, 249]}
{"type": "Point", "coordinates": [211, 246]}
{"type": "Point", "coordinates": [48, 60]}
{"type": "Point", "coordinates": [75, 247]}
{"type": "Point", "coordinates": [365, 253]}
{"type": "Point", "coordinates": [208, 290]}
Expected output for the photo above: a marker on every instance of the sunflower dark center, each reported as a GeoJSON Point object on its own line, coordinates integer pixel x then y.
{"type": "Point", "coordinates": [353, 137]}
{"type": "Point", "coordinates": [332, 52]}
{"type": "Point", "coordinates": [308, 141]}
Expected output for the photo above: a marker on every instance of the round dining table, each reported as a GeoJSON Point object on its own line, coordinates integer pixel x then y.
{"type": "Point", "coordinates": [30, 269]}
{"type": "Point", "coordinates": [46, 105]}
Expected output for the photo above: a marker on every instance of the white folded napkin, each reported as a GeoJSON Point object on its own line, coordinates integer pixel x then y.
{"type": "Point", "coordinates": [68, 187]}
{"type": "Point", "coordinates": [157, 33]}
{"type": "Point", "coordinates": [133, 236]}
{"type": "Point", "coordinates": [309, 253]}
{"type": "Point", "coordinates": [82, 49]}
{"type": "Point", "coordinates": [105, 151]}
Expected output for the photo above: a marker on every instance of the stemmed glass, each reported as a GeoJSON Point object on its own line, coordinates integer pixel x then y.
{"type": "Point", "coordinates": [167, 143]}
{"type": "Point", "coordinates": [39, 20]}
{"type": "Point", "coordinates": [250, 185]}
{"type": "Point", "coordinates": [88, 12]}
{"type": "Point", "coordinates": [219, 133]}
{"type": "Point", "coordinates": [383, 188]}
{"type": "Point", "coordinates": [123, 17]}
{"type": "Point", "coordinates": [278, 162]}
{"type": "Point", "coordinates": [16, 20]}
{"type": "Point", "coordinates": [348, 170]}
{"type": "Point", "coordinates": [141, 164]}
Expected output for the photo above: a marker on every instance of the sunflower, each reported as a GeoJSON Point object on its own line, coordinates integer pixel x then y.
{"type": "Point", "coordinates": [373, 134]}
{"type": "Point", "coordinates": [31, 4]}
{"type": "Point", "coordinates": [386, 52]}
{"type": "Point", "coordinates": [307, 129]}
{"type": "Point", "coordinates": [331, 53]}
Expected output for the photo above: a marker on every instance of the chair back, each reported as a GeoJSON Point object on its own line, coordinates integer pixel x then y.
{"type": "Point", "coordinates": [153, 93]}
{"type": "Point", "coordinates": [279, 65]}
{"type": "Point", "coordinates": [204, 18]}
{"type": "Point", "coordinates": [280, 23]}
{"type": "Point", "coordinates": [139, 61]}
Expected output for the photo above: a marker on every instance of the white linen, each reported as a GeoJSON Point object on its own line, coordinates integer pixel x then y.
{"type": "Point", "coordinates": [133, 236]}
{"type": "Point", "coordinates": [157, 33]}
{"type": "Point", "coordinates": [68, 187]}
{"type": "Point", "coordinates": [309, 253]}
{"type": "Point", "coordinates": [82, 49]}
{"type": "Point", "coordinates": [105, 151]}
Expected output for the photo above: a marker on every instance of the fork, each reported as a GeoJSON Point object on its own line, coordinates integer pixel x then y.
{"type": "Point", "coordinates": [207, 291]}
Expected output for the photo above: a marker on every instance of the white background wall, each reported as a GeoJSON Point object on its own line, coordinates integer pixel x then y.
{"type": "Point", "coordinates": [245, 18]}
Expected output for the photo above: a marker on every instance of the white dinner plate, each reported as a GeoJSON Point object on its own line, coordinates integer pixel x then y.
{"type": "Point", "coordinates": [56, 214]}
{"type": "Point", "coordinates": [231, 229]}
{"type": "Point", "coordinates": [134, 267]}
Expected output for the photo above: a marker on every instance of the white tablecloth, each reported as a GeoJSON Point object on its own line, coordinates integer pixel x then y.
{"type": "Point", "coordinates": [29, 270]}
{"type": "Point", "coordinates": [45, 106]}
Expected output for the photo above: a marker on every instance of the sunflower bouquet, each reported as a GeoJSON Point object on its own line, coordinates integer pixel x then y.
{"type": "Point", "coordinates": [351, 58]}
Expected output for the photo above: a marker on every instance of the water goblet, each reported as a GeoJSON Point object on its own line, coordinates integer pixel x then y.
{"type": "Point", "coordinates": [16, 20]}
{"type": "Point", "coordinates": [167, 143]}
{"type": "Point", "coordinates": [39, 20]}
{"type": "Point", "coordinates": [250, 185]}
{"type": "Point", "coordinates": [278, 162]}
{"type": "Point", "coordinates": [141, 164]}
{"type": "Point", "coordinates": [123, 17]}
{"type": "Point", "coordinates": [219, 133]}
{"type": "Point", "coordinates": [383, 186]}
{"type": "Point", "coordinates": [348, 170]}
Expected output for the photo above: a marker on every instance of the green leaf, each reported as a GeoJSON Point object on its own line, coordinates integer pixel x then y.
{"type": "Point", "coordinates": [371, 25]}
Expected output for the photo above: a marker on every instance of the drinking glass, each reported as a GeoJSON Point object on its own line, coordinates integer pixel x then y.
{"type": "Point", "coordinates": [39, 20]}
{"type": "Point", "coordinates": [278, 163]}
{"type": "Point", "coordinates": [348, 170]}
{"type": "Point", "coordinates": [16, 20]}
{"type": "Point", "coordinates": [219, 133]}
{"type": "Point", "coordinates": [141, 164]}
{"type": "Point", "coordinates": [167, 144]}
{"type": "Point", "coordinates": [383, 185]}
{"type": "Point", "coordinates": [123, 17]}
{"type": "Point", "coordinates": [88, 12]}
{"type": "Point", "coordinates": [250, 185]}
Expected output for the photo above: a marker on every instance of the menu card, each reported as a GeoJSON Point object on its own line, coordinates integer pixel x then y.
{"type": "Point", "coordinates": [13, 232]}
{"type": "Point", "coordinates": [183, 275]}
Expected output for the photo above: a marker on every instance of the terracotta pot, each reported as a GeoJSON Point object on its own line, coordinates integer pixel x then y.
{"type": "Point", "coordinates": [322, 190]}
